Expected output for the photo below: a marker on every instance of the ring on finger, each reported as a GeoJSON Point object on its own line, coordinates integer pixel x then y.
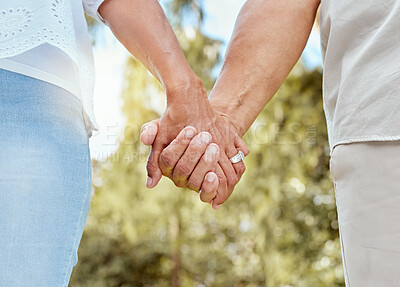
{"type": "Point", "coordinates": [237, 158]}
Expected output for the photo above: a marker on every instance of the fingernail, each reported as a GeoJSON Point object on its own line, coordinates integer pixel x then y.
{"type": "Point", "coordinates": [149, 181]}
{"type": "Point", "coordinates": [144, 128]}
{"type": "Point", "coordinates": [205, 138]}
{"type": "Point", "coordinates": [210, 178]}
{"type": "Point", "coordinates": [212, 149]}
{"type": "Point", "coordinates": [189, 134]}
{"type": "Point", "coordinates": [151, 127]}
{"type": "Point", "coordinates": [148, 128]}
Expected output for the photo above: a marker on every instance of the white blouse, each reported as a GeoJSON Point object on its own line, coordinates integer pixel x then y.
{"type": "Point", "coordinates": [48, 40]}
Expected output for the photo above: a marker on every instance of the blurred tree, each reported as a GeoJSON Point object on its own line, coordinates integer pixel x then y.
{"type": "Point", "coordinates": [182, 8]}
{"type": "Point", "coordinates": [279, 228]}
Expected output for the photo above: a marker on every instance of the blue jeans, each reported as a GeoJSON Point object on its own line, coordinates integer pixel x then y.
{"type": "Point", "coordinates": [45, 182]}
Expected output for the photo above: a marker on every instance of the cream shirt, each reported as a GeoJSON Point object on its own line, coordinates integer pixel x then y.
{"type": "Point", "coordinates": [360, 42]}
{"type": "Point", "coordinates": [48, 40]}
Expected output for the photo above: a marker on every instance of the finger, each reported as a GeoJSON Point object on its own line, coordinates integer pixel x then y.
{"type": "Point", "coordinates": [207, 163]}
{"type": "Point", "coordinates": [228, 180]}
{"type": "Point", "coordinates": [209, 187]}
{"type": "Point", "coordinates": [241, 145]}
{"type": "Point", "coordinates": [148, 132]}
{"type": "Point", "coordinates": [239, 167]}
{"type": "Point", "coordinates": [222, 193]}
{"type": "Point", "coordinates": [229, 169]}
{"type": "Point", "coordinates": [191, 157]}
{"type": "Point", "coordinates": [154, 173]}
{"type": "Point", "coordinates": [233, 173]}
{"type": "Point", "coordinates": [173, 152]}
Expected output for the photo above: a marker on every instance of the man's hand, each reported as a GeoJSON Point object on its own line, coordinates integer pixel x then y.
{"type": "Point", "coordinates": [186, 162]}
{"type": "Point", "coordinates": [174, 151]}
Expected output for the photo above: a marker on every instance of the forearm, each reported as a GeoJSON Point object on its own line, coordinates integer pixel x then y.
{"type": "Point", "coordinates": [268, 39]}
{"type": "Point", "coordinates": [141, 26]}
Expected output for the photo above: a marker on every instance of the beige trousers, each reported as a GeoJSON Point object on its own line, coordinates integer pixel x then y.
{"type": "Point", "coordinates": [367, 189]}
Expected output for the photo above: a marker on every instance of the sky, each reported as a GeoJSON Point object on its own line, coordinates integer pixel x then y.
{"type": "Point", "coordinates": [110, 57]}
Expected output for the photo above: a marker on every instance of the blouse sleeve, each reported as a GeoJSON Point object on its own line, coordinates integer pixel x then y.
{"type": "Point", "coordinates": [91, 8]}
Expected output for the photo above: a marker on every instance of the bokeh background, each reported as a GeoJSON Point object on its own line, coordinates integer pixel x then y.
{"type": "Point", "coordinates": [279, 228]}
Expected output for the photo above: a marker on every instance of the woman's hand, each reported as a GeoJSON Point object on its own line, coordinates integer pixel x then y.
{"type": "Point", "coordinates": [188, 137]}
{"type": "Point", "coordinates": [189, 168]}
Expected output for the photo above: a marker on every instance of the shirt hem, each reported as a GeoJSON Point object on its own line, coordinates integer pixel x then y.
{"type": "Point", "coordinates": [364, 139]}
{"type": "Point", "coordinates": [19, 68]}
{"type": "Point", "coordinates": [29, 71]}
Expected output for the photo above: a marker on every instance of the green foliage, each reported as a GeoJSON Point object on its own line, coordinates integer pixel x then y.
{"type": "Point", "coordinates": [202, 53]}
{"type": "Point", "coordinates": [289, 186]}
{"type": "Point", "coordinates": [279, 228]}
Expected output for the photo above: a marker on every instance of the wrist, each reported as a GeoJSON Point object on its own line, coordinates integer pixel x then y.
{"type": "Point", "coordinates": [178, 75]}
{"type": "Point", "coordinates": [230, 113]}
{"type": "Point", "coordinates": [184, 90]}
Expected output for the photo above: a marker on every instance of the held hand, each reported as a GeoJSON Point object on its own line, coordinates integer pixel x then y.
{"type": "Point", "coordinates": [229, 174]}
{"type": "Point", "coordinates": [185, 169]}
{"type": "Point", "coordinates": [186, 106]}
{"type": "Point", "coordinates": [209, 185]}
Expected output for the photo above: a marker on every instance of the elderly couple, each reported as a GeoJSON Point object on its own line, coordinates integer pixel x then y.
{"type": "Point", "coordinates": [46, 118]}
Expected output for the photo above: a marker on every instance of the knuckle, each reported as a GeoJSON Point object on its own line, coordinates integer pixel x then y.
{"type": "Point", "coordinates": [196, 149]}
{"type": "Point", "coordinates": [167, 158]}
{"type": "Point", "coordinates": [232, 179]}
{"type": "Point", "coordinates": [166, 172]}
{"type": "Point", "coordinates": [193, 185]}
{"type": "Point", "coordinates": [183, 170]}
{"type": "Point", "coordinates": [151, 167]}
{"type": "Point", "coordinates": [179, 183]}
{"type": "Point", "coordinates": [241, 169]}
{"type": "Point", "coordinates": [222, 180]}
{"type": "Point", "coordinates": [218, 140]}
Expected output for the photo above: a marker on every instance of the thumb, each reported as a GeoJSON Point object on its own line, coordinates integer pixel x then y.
{"type": "Point", "coordinates": [149, 132]}
{"type": "Point", "coordinates": [154, 172]}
